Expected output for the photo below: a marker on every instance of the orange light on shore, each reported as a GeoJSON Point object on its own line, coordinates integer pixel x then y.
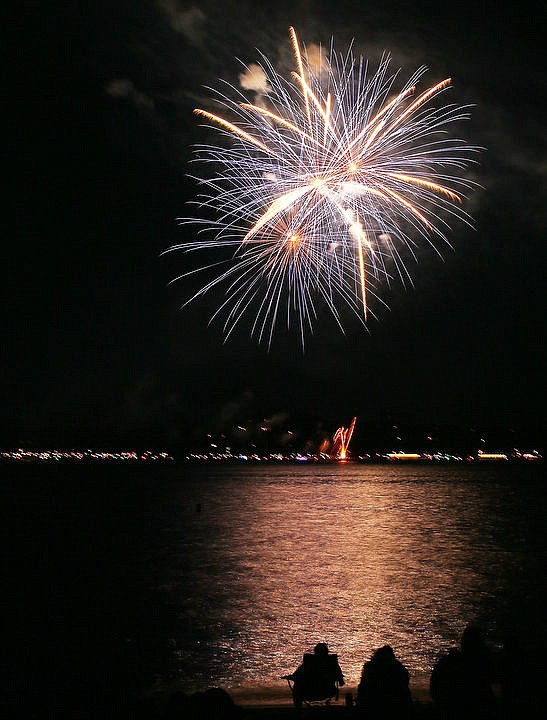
{"type": "Point", "coordinates": [403, 456]}
{"type": "Point", "coordinates": [491, 456]}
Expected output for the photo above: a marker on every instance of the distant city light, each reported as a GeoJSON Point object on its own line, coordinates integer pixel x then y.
{"type": "Point", "coordinates": [219, 452]}
{"type": "Point", "coordinates": [404, 456]}
{"type": "Point", "coordinates": [56, 455]}
{"type": "Point", "coordinates": [491, 456]}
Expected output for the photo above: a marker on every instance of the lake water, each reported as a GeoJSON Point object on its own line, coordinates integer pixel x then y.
{"type": "Point", "coordinates": [164, 576]}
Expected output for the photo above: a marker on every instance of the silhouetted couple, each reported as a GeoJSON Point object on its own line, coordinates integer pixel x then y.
{"type": "Point", "coordinates": [382, 693]}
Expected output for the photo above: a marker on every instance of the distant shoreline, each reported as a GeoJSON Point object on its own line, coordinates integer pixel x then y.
{"type": "Point", "coordinates": [72, 456]}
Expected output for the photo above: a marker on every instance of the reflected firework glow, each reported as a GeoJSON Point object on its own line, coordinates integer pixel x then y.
{"type": "Point", "coordinates": [327, 184]}
{"type": "Point", "coordinates": [350, 555]}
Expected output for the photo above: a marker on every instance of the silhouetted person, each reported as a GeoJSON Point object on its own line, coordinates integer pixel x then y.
{"type": "Point", "coordinates": [318, 677]}
{"type": "Point", "coordinates": [461, 681]}
{"type": "Point", "coordinates": [383, 691]}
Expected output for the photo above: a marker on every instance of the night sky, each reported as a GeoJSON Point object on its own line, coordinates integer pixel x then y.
{"type": "Point", "coordinates": [96, 348]}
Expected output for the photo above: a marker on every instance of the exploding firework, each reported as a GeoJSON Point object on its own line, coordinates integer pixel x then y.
{"type": "Point", "coordinates": [341, 441]}
{"type": "Point", "coordinates": [327, 183]}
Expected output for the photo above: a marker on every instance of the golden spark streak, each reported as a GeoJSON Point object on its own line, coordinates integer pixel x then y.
{"type": "Point", "coordinates": [279, 205]}
{"type": "Point", "coordinates": [298, 57]}
{"type": "Point", "coordinates": [425, 183]}
{"type": "Point", "coordinates": [357, 231]}
{"type": "Point", "coordinates": [380, 114]}
{"type": "Point", "coordinates": [280, 120]}
{"type": "Point", "coordinates": [424, 97]}
{"type": "Point", "coordinates": [408, 205]}
{"type": "Point", "coordinates": [307, 89]}
{"type": "Point", "coordinates": [362, 271]}
{"type": "Point", "coordinates": [234, 129]}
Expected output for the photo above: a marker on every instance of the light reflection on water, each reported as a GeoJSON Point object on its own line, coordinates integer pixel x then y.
{"type": "Point", "coordinates": [280, 558]}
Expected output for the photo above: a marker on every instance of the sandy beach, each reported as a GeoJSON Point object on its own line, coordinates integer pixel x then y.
{"type": "Point", "coordinates": [275, 703]}
{"type": "Point", "coordinates": [279, 696]}
{"type": "Point", "coordinates": [331, 712]}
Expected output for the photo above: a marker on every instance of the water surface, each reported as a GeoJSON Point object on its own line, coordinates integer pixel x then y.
{"type": "Point", "coordinates": [224, 575]}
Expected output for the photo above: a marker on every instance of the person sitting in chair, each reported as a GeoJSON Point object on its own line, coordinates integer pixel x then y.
{"type": "Point", "coordinates": [317, 678]}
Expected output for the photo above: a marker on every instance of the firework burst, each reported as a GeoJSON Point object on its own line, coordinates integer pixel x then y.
{"type": "Point", "coordinates": [322, 188]}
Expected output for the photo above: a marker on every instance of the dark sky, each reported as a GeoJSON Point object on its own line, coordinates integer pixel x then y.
{"type": "Point", "coordinates": [100, 128]}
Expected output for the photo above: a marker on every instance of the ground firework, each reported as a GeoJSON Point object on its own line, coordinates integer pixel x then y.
{"type": "Point", "coordinates": [326, 183]}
